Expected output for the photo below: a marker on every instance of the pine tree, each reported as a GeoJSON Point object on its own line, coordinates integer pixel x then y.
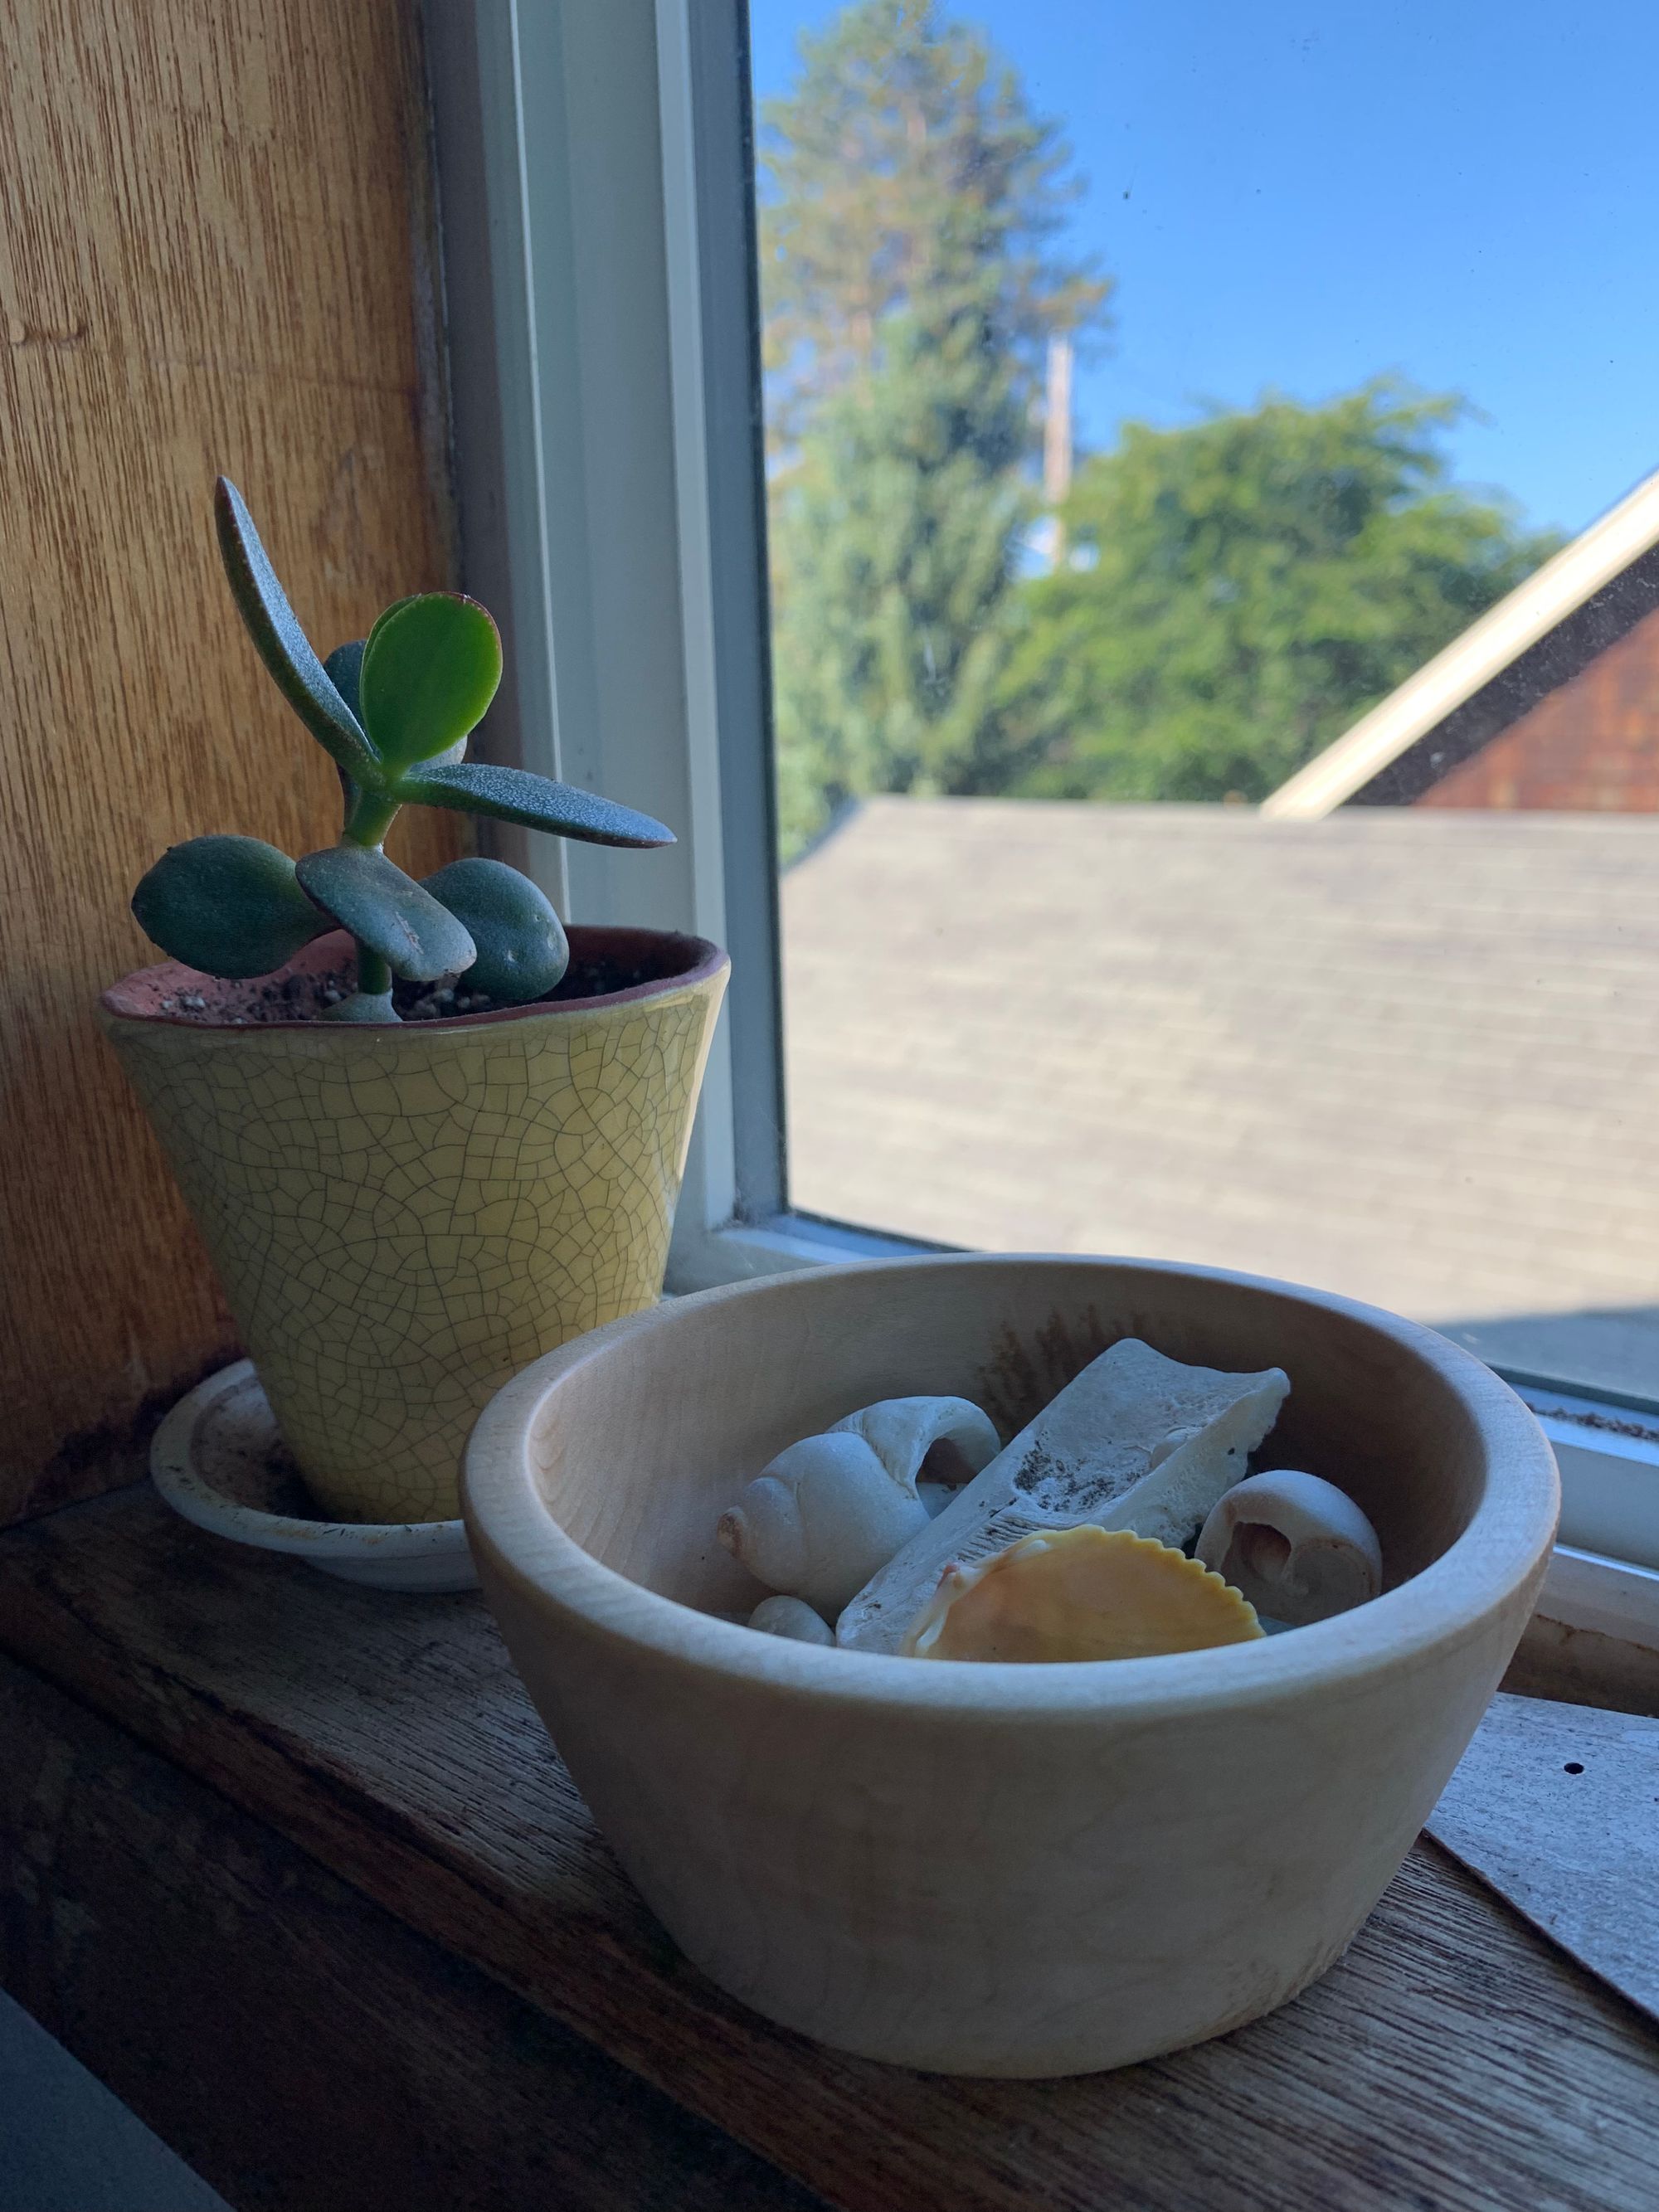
{"type": "Point", "coordinates": [892, 538]}
{"type": "Point", "coordinates": [905, 171]}
{"type": "Point", "coordinates": [910, 202]}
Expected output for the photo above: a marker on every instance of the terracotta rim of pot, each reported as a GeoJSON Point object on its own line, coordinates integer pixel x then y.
{"type": "Point", "coordinates": [1507, 1540]}
{"type": "Point", "coordinates": [687, 961]}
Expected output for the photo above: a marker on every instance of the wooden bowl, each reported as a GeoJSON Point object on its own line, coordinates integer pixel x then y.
{"type": "Point", "coordinates": [998, 1869]}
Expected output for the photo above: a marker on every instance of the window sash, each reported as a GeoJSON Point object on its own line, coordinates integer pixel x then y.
{"type": "Point", "coordinates": [597, 221]}
{"type": "Point", "coordinates": [598, 209]}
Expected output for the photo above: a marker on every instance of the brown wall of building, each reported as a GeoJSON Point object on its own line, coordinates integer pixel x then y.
{"type": "Point", "coordinates": [1590, 746]}
{"type": "Point", "coordinates": [216, 251]}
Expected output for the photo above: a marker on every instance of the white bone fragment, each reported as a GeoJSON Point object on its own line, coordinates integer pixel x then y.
{"type": "Point", "coordinates": [792, 1617]}
{"type": "Point", "coordinates": [1136, 1441]}
{"type": "Point", "coordinates": [829, 1511]}
{"type": "Point", "coordinates": [1297, 1546]}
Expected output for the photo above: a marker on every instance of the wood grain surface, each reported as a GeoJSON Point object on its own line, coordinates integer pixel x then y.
{"type": "Point", "coordinates": [301, 2047]}
{"type": "Point", "coordinates": [215, 253]}
{"type": "Point", "coordinates": [1453, 2061]}
{"type": "Point", "coordinates": [1581, 1667]}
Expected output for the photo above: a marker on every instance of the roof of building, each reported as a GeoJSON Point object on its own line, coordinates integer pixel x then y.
{"type": "Point", "coordinates": [1540, 637]}
{"type": "Point", "coordinates": [1411, 1056]}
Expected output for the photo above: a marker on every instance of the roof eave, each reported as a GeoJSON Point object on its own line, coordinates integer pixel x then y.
{"type": "Point", "coordinates": [1537, 638]}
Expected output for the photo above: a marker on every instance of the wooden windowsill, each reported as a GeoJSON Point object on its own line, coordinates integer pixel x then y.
{"type": "Point", "coordinates": [1453, 2059]}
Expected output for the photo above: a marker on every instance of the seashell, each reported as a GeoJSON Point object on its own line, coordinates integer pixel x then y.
{"type": "Point", "coordinates": [1082, 1593]}
{"type": "Point", "coordinates": [1136, 1441]}
{"type": "Point", "coordinates": [831, 1511]}
{"type": "Point", "coordinates": [792, 1617]}
{"type": "Point", "coordinates": [902, 1431]}
{"type": "Point", "coordinates": [1296, 1545]}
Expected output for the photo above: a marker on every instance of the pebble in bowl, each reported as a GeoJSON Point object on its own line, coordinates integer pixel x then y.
{"type": "Point", "coordinates": [998, 1868]}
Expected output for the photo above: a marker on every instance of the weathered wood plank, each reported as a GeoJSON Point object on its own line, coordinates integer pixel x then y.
{"type": "Point", "coordinates": [294, 2043]}
{"type": "Point", "coordinates": [216, 251]}
{"type": "Point", "coordinates": [1578, 1666]}
{"type": "Point", "coordinates": [1452, 2060]}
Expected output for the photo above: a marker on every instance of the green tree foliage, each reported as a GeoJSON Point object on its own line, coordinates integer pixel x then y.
{"type": "Point", "coordinates": [910, 202]}
{"type": "Point", "coordinates": [1239, 592]}
{"type": "Point", "coordinates": [1236, 594]}
{"type": "Point", "coordinates": [890, 574]}
{"type": "Point", "coordinates": [906, 172]}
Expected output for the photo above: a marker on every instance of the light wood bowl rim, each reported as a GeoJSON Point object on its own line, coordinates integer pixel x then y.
{"type": "Point", "coordinates": [516, 1538]}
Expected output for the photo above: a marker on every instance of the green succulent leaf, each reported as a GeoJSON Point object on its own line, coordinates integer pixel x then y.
{"type": "Point", "coordinates": [229, 906]}
{"type": "Point", "coordinates": [282, 645]}
{"type": "Point", "coordinates": [343, 669]}
{"type": "Point", "coordinates": [511, 794]}
{"type": "Point", "coordinates": [522, 948]}
{"type": "Point", "coordinates": [388, 911]}
{"type": "Point", "coordinates": [344, 665]}
{"type": "Point", "coordinates": [430, 668]}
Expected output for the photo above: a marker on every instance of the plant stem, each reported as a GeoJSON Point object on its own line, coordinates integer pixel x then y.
{"type": "Point", "coordinates": [372, 1000]}
{"type": "Point", "coordinates": [374, 975]}
{"type": "Point", "coordinates": [368, 817]}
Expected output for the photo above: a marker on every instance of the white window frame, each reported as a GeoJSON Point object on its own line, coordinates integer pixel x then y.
{"type": "Point", "coordinates": [1605, 1574]}
{"type": "Point", "coordinates": [592, 158]}
{"type": "Point", "coordinates": [594, 167]}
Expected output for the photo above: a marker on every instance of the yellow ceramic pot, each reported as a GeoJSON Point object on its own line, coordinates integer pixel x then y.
{"type": "Point", "coordinates": [403, 1216]}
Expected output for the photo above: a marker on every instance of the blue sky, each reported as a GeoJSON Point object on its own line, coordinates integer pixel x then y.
{"type": "Point", "coordinates": [1302, 197]}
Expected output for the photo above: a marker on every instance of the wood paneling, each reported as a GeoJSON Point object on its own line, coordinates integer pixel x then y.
{"type": "Point", "coordinates": [216, 251]}
{"type": "Point", "coordinates": [1453, 2059]}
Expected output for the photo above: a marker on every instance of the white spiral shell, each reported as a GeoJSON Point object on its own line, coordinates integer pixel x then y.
{"type": "Point", "coordinates": [829, 1511]}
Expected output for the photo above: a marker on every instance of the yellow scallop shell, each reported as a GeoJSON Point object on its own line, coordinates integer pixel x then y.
{"type": "Point", "coordinates": [1083, 1593]}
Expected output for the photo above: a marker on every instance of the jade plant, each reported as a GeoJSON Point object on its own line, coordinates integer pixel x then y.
{"type": "Point", "coordinates": [394, 710]}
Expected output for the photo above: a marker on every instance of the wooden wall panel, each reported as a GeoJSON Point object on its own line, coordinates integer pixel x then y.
{"type": "Point", "coordinates": [216, 251]}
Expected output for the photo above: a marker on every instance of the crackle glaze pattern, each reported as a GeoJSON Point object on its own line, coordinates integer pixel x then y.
{"type": "Point", "coordinates": [403, 1216]}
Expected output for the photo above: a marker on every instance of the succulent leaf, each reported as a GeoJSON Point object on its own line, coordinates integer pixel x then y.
{"type": "Point", "coordinates": [228, 906]}
{"type": "Point", "coordinates": [343, 669]}
{"type": "Point", "coordinates": [282, 645]}
{"type": "Point", "coordinates": [386, 911]}
{"type": "Point", "coordinates": [522, 948]}
{"type": "Point", "coordinates": [430, 668]}
{"type": "Point", "coordinates": [536, 802]}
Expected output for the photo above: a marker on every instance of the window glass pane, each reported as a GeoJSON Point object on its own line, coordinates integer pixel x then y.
{"type": "Point", "coordinates": [1215, 590]}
